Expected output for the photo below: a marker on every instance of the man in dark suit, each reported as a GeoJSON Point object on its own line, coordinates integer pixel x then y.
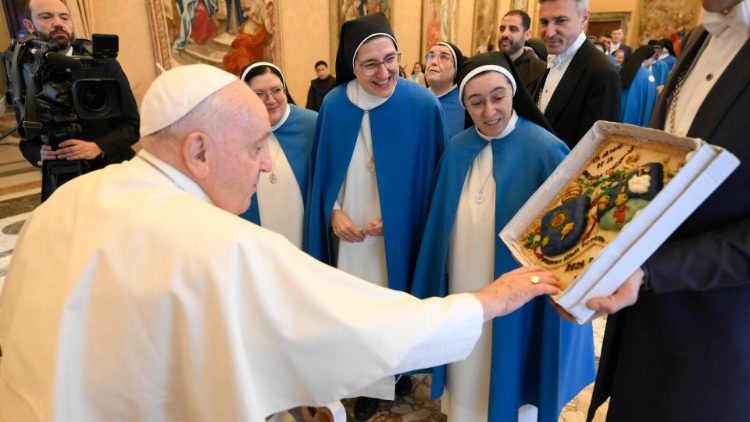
{"type": "Point", "coordinates": [99, 142]}
{"type": "Point", "coordinates": [515, 30]}
{"type": "Point", "coordinates": [581, 85]}
{"type": "Point", "coordinates": [681, 352]}
{"type": "Point", "coordinates": [617, 44]}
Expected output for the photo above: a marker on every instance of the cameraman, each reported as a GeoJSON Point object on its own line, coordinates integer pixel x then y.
{"type": "Point", "coordinates": [109, 140]}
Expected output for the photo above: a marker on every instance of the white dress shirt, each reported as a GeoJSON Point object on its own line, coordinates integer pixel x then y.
{"type": "Point", "coordinates": [557, 65]}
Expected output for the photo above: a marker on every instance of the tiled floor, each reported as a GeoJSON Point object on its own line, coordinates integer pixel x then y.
{"type": "Point", "coordinates": [19, 192]}
{"type": "Point", "coordinates": [19, 195]}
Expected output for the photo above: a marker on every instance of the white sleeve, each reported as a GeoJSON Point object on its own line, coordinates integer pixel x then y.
{"type": "Point", "coordinates": [449, 336]}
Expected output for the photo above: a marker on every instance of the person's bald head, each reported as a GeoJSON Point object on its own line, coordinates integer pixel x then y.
{"type": "Point", "coordinates": [213, 128]}
{"type": "Point", "coordinates": [51, 21]}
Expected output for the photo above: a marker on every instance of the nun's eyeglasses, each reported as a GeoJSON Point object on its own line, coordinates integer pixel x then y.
{"type": "Point", "coordinates": [275, 92]}
{"type": "Point", "coordinates": [371, 67]}
{"type": "Point", "coordinates": [442, 57]}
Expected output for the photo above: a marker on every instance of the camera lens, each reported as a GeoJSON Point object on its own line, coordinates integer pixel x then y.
{"type": "Point", "coordinates": [94, 98]}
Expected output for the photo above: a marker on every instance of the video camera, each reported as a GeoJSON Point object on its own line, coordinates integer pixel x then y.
{"type": "Point", "coordinates": [55, 94]}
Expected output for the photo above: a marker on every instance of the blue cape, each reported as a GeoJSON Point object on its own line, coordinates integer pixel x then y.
{"type": "Point", "coordinates": [453, 112]}
{"type": "Point", "coordinates": [660, 71]}
{"type": "Point", "coordinates": [537, 357]}
{"type": "Point", "coordinates": [638, 100]}
{"type": "Point", "coordinates": [669, 61]}
{"type": "Point", "coordinates": [295, 137]}
{"type": "Point", "coordinates": [408, 136]}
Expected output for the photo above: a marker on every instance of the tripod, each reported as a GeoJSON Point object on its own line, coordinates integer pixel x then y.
{"type": "Point", "coordinates": [56, 172]}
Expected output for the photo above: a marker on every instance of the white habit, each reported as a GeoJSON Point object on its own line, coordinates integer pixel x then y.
{"type": "Point", "coordinates": [131, 297]}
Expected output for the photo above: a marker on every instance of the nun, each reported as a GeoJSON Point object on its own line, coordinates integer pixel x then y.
{"type": "Point", "coordinates": [375, 150]}
{"type": "Point", "coordinates": [278, 204]}
{"type": "Point", "coordinates": [528, 364]}
{"type": "Point", "coordinates": [639, 90]}
{"type": "Point", "coordinates": [442, 63]}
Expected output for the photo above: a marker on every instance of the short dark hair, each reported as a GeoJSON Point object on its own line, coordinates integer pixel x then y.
{"type": "Point", "coordinates": [27, 9]}
{"type": "Point", "coordinates": [525, 18]}
{"type": "Point", "coordinates": [262, 70]}
{"type": "Point", "coordinates": [320, 62]}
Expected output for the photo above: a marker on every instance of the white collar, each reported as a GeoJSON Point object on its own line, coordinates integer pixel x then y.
{"type": "Point", "coordinates": [361, 98]}
{"type": "Point", "coordinates": [508, 129]}
{"type": "Point", "coordinates": [737, 18]}
{"type": "Point", "coordinates": [283, 118]}
{"type": "Point", "coordinates": [444, 93]}
{"type": "Point", "coordinates": [175, 176]}
{"type": "Point", "coordinates": [558, 59]}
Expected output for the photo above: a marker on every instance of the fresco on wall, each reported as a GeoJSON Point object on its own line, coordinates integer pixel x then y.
{"type": "Point", "coordinates": [485, 26]}
{"type": "Point", "coordinates": [225, 33]}
{"type": "Point", "coordinates": [518, 5]}
{"type": "Point", "coordinates": [351, 9]}
{"type": "Point", "coordinates": [341, 11]}
{"type": "Point", "coordinates": [439, 22]}
{"type": "Point", "coordinates": [670, 19]}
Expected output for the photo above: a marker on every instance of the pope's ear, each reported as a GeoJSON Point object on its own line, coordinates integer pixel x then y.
{"type": "Point", "coordinates": [195, 154]}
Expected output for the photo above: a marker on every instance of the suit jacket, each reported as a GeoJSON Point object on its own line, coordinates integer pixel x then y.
{"type": "Point", "coordinates": [682, 351]}
{"type": "Point", "coordinates": [589, 91]}
{"type": "Point", "coordinates": [530, 68]}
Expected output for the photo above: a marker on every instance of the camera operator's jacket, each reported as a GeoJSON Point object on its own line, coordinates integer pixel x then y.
{"type": "Point", "coordinates": [114, 136]}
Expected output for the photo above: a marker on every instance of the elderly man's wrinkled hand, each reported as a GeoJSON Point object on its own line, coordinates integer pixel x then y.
{"type": "Point", "coordinates": [516, 288]}
{"type": "Point", "coordinates": [344, 228]}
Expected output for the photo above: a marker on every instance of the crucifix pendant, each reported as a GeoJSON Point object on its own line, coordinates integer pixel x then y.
{"type": "Point", "coordinates": [480, 196]}
{"type": "Point", "coordinates": [371, 165]}
{"type": "Point", "coordinates": [272, 178]}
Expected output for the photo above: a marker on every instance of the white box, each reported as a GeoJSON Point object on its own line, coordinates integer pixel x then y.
{"type": "Point", "coordinates": [692, 184]}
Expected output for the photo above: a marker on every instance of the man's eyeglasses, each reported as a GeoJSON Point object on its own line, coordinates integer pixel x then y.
{"type": "Point", "coordinates": [371, 67]}
{"type": "Point", "coordinates": [275, 92]}
{"type": "Point", "coordinates": [443, 57]}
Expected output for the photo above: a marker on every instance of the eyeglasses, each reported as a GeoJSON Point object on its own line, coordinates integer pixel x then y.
{"type": "Point", "coordinates": [371, 67]}
{"type": "Point", "coordinates": [275, 92]}
{"type": "Point", "coordinates": [442, 57]}
{"type": "Point", "coordinates": [477, 103]}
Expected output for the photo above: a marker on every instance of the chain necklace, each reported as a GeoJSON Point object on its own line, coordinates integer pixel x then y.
{"type": "Point", "coordinates": [479, 198]}
{"type": "Point", "coordinates": [371, 160]}
{"type": "Point", "coordinates": [672, 100]}
{"type": "Point", "coordinates": [272, 177]}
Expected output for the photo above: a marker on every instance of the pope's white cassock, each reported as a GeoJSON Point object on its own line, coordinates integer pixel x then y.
{"type": "Point", "coordinates": [131, 297]}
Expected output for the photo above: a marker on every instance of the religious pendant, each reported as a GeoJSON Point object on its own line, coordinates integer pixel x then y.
{"type": "Point", "coordinates": [371, 165]}
{"type": "Point", "coordinates": [651, 78]}
{"type": "Point", "coordinates": [272, 178]}
{"type": "Point", "coordinates": [480, 196]}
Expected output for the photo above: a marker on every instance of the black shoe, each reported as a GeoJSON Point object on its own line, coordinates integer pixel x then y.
{"type": "Point", "coordinates": [403, 386]}
{"type": "Point", "coordinates": [365, 408]}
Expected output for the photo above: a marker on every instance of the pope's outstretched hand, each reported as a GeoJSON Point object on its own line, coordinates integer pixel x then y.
{"type": "Point", "coordinates": [514, 289]}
